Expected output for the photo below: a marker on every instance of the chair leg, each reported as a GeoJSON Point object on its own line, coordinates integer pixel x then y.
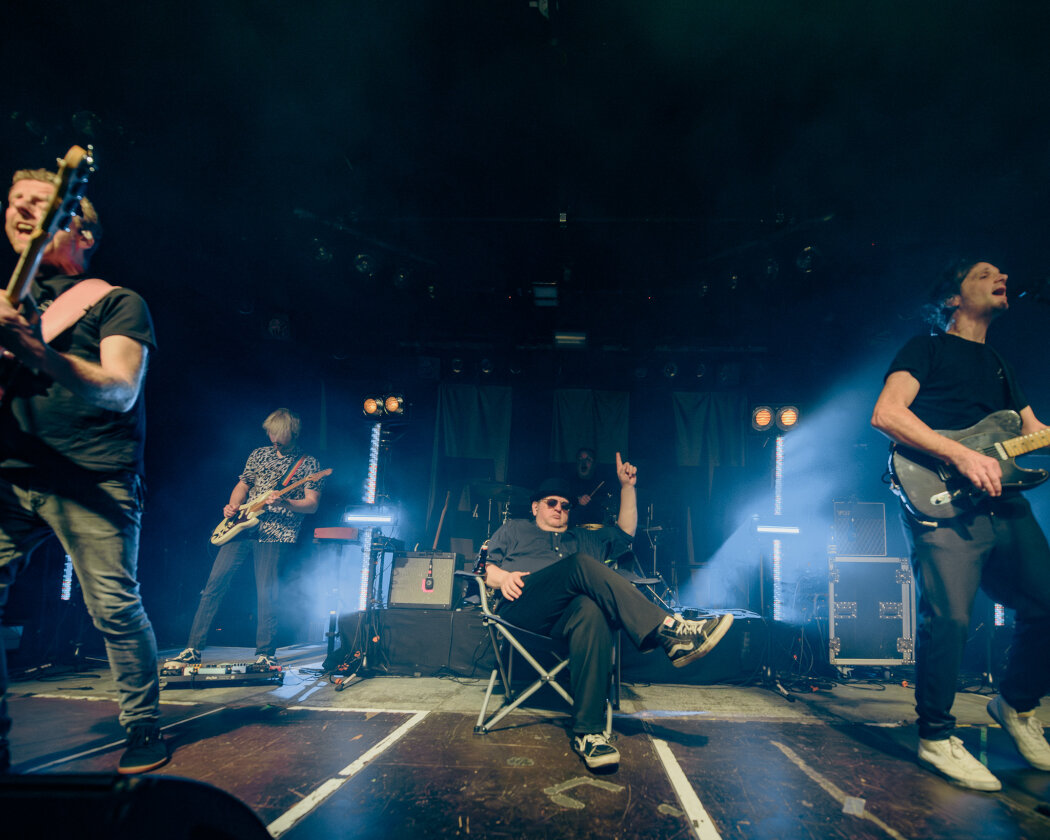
{"type": "Point", "coordinates": [479, 727]}
{"type": "Point", "coordinates": [506, 709]}
{"type": "Point", "coordinates": [511, 699]}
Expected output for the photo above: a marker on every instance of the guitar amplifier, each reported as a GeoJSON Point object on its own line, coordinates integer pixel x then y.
{"type": "Point", "coordinates": [425, 580]}
{"type": "Point", "coordinates": [860, 529]}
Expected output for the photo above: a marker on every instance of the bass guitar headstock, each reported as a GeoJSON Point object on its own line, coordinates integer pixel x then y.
{"type": "Point", "coordinates": [74, 170]}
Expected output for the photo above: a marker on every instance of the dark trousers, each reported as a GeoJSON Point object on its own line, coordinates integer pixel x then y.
{"type": "Point", "coordinates": [1002, 550]}
{"type": "Point", "coordinates": [583, 602]}
{"type": "Point", "coordinates": [268, 557]}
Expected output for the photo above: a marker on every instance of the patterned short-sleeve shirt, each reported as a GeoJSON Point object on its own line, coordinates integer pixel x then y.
{"type": "Point", "coordinates": [265, 471]}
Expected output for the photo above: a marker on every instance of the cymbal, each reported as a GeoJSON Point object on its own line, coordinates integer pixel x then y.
{"type": "Point", "coordinates": [500, 492]}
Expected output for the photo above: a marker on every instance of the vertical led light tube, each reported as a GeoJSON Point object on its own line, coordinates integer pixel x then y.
{"type": "Point", "coordinates": [778, 510]}
{"type": "Point", "coordinates": [369, 498]}
{"type": "Point", "coordinates": [67, 579]}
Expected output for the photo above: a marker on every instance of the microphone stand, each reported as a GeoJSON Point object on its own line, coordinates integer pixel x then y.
{"type": "Point", "coordinates": [368, 630]}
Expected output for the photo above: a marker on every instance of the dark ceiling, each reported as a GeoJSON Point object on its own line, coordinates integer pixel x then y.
{"type": "Point", "coordinates": [387, 179]}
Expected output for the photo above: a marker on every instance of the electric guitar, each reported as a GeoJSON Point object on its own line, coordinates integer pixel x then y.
{"type": "Point", "coordinates": [930, 489]}
{"type": "Point", "coordinates": [73, 172]}
{"type": "Point", "coordinates": [247, 515]}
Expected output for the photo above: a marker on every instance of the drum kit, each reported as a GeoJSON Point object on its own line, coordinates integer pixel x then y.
{"type": "Point", "coordinates": [502, 501]}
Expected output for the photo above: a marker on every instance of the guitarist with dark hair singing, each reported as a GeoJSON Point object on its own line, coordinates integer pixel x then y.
{"type": "Point", "coordinates": [72, 428]}
{"type": "Point", "coordinates": [279, 485]}
{"type": "Point", "coordinates": [957, 416]}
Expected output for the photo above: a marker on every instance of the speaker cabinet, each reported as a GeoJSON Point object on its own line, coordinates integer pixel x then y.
{"type": "Point", "coordinates": [425, 580]}
{"type": "Point", "coordinates": [860, 529]}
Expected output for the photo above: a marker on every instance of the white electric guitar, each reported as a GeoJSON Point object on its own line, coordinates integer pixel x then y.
{"type": "Point", "coordinates": [247, 515]}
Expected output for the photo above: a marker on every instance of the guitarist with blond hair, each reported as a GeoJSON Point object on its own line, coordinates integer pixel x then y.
{"type": "Point", "coordinates": [72, 429]}
{"type": "Point", "coordinates": [937, 388]}
{"type": "Point", "coordinates": [270, 472]}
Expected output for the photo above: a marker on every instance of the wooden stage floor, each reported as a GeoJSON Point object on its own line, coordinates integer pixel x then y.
{"type": "Point", "coordinates": [393, 757]}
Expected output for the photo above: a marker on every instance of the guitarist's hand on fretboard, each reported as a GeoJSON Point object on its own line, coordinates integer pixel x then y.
{"type": "Point", "coordinates": [273, 501]}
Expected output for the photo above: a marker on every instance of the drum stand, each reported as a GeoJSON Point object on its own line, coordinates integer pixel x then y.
{"type": "Point", "coordinates": [663, 594]}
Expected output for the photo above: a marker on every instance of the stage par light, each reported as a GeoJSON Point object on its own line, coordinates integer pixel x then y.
{"type": "Point", "coordinates": [787, 417]}
{"type": "Point", "coordinates": [762, 418]}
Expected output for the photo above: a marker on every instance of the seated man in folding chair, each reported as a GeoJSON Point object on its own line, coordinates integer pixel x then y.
{"type": "Point", "coordinates": [554, 581]}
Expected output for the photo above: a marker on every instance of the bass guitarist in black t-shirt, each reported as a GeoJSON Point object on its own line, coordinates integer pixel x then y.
{"type": "Point", "coordinates": [72, 428]}
{"type": "Point", "coordinates": [957, 417]}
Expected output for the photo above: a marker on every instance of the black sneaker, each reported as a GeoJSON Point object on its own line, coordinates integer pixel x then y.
{"type": "Point", "coordinates": [5, 757]}
{"type": "Point", "coordinates": [190, 656]}
{"type": "Point", "coordinates": [145, 751]}
{"type": "Point", "coordinates": [686, 640]}
{"type": "Point", "coordinates": [595, 750]}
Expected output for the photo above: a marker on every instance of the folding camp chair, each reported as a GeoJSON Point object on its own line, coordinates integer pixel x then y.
{"type": "Point", "coordinates": [507, 641]}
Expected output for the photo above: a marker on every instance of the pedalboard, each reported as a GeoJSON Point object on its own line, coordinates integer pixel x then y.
{"type": "Point", "coordinates": [220, 674]}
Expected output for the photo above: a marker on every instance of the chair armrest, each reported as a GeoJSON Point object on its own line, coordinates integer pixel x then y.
{"type": "Point", "coordinates": [484, 590]}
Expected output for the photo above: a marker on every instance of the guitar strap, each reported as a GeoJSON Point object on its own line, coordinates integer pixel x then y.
{"type": "Point", "coordinates": [1008, 376]}
{"type": "Point", "coordinates": [70, 306]}
{"type": "Point", "coordinates": [288, 475]}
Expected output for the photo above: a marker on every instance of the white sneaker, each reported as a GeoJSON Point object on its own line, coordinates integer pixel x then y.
{"type": "Point", "coordinates": [595, 750]}
{"type": "Point", "coordinates": [190, 656]}
{"type": "Point", "coordinates": [1025, 729]}
{"type": "Point", "coordinates": [952, 760]}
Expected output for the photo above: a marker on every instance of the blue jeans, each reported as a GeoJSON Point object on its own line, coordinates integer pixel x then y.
{"type": "Point", "coordinates": [268, 558]}
{"type": "Point", "coordinates": [97, 520]}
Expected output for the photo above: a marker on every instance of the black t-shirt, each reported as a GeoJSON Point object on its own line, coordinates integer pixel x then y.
{"type": "Point", "coordinates": [960, 381]}
{"type": "Point", "coordinates": [520, 545]}
{"type": "Point", "coordinates": [44, 424]}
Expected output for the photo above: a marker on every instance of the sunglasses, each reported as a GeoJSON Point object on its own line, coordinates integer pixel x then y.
{"type": "Point", "coordinates": [553, 503]}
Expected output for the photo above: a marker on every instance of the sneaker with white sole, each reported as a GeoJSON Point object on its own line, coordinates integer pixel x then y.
{"type": "Point", "coordinates": [1025, 729]}
{"type": "Point", "coordinates": [267, 661]}
{"type": "Point", "coordinates": [686, 640]}
{"type": "Point", "coordinates": [952, 760]}
{"type": "Point", "coordinates": [595, 750]}
{"type": "Point", "coordinates": [190, 656]}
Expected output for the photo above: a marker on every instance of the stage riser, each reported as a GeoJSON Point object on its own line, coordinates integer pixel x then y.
{"type": "Point", "coordinates": [426, 643]}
